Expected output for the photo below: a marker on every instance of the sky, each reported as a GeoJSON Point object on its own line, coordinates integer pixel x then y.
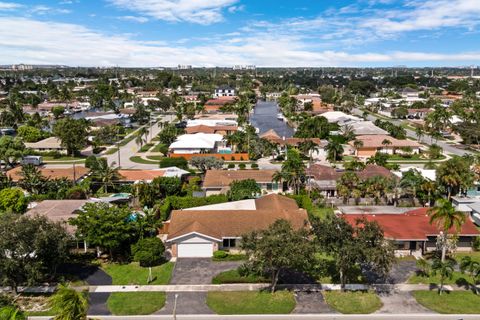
{"type": "Point", "coordinates": [266, 33]}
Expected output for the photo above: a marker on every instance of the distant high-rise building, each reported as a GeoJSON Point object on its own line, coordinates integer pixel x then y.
{"type": "Point", "coordinates": [244, 67]}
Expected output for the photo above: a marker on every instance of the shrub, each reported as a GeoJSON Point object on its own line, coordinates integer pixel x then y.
{"type": "Point", "coordinates": [242, 166]}
{"type": "Point", "coordinates": [232, 158]}
{"type": "Point", "coordinates": [220, 254]}
{"type": "Point", "coordinates": [254, 166]}
{"type": "Point", "coordinates": [181, 163]}
{"type": "Point", "coordinates": [98, 150]}
{"type": "Point", "coordinates": [231, 166]}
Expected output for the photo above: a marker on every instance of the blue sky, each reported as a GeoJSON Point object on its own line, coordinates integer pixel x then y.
{"type": "Point", "coordinates": [228, 32]}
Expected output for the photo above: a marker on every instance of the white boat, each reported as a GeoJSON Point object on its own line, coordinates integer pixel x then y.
{"type": "Point", "coordinates": [280, 117]}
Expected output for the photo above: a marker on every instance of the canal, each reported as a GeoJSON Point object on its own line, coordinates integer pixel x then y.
{"type": "Point", "coordinates": [264, 118]}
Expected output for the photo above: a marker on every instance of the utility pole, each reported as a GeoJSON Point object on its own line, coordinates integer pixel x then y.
{"type": "Point", "coordinates": [175, 307]}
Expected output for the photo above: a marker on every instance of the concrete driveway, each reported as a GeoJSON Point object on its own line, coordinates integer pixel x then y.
{"type": "Point", "coordinates": [401, 303]}
{"type": "Point", "coordinates": [187, 303]}
{"type": "Point", "coordinates": [199, 270]}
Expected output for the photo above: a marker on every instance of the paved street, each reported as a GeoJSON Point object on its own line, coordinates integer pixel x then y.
{"type": "Point", "coordinates": [425, 139]}
{"type": "Point", "coordinates": [290, 317]}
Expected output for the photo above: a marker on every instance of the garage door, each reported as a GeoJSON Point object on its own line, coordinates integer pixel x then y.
{"type": "Point", "coordinates": [195, 250]}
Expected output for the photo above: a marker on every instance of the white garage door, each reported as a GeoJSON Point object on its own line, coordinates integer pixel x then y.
{"type": "Point", "coordinates": [195, 250]}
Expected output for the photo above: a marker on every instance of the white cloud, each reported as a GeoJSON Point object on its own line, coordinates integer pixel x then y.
{"type": "Point", "coordinates": [195, 11]}
{"type": "Point", "coordinates": [234, 9]}
{"type": "Point", "coordinates": [5, 6]}
{"type": "Point", "coordinates": [134, 19]}
{"type": "Point", "coordinates": [70, 44]}
{"type": "Point", "coordinates": [44, 10]}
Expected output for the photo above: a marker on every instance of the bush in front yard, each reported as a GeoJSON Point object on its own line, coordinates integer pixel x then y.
{"type": "Point", "coordinates": [220, 254]}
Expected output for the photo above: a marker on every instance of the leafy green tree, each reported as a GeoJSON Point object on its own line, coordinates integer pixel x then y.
{"type": "Point", "coordinates": [354, 245]}
{"type": "Point", "coordinates": [32, 249]}
{"type": "Point", "coordinates": [69, 304]}
{"type": "Point", "coordinates": [278, 249]}
{"type": "Point", "coordinates": [334, 150]}
{"type": "Point", "coordinates": [315, 127]}
{"type": "Point", "coordinates": [72, 134]}
{"type": "Point", "coordinates": [380, 159]}
{"type": "Point", "coordinates": [446, 217]}
{"type": "Point", "coordinates": [434, 151]}
{"type": "Point", "coordinates": [206, 163]}
{"type": "Point", "coordinates": [12, 313]}
{"type": "Point", "coordinates": [243, 189]}
{"type": "Point", "coordinates": [105, 226]}
{"type": "Point", "coordinates": [32, 179]}
{"type": "Point", "coordinates": [455, 176]}
{"type": "Point", "coordinates": [169, 133]}
{"type": "Point", "coordinates": [149, 253]}
{"type": "Point", "coordinates": [30, 134]}
{"type": "Point", "coordinates": [348, 182]}
{"type": "Point", "coordinates": [12, 200]}
{"type": "Point", "coordinates": [11, 150]}
{"type": "Point", "coordinates": [58, 111]}
{"type": "Point", "coordinates": [444, 269]}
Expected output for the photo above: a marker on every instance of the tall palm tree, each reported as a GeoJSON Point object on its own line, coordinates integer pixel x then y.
{"type": "Point", "coordinates": [446, 217]}
{"type": "Point", "coordinates": [142, 135]}
{"type": "Point", "coordinates": [444, 269]}
{"type": "Point", "coordinates": [419, 132]}
{"type": "Point", "coordinates": [69, 304]}
{"type": "Point", "coordinates": [32, 179]}
{"type": "Point", "coordinates": [472, 267]}
{"type": "Point", "coordinates": [386, 143]}
{"type": "Point", "coordinates": [334, 150]}
{"type": "Point", "coordinates": [105, 174]}
{"type": "Point", "coordinates": [308, 147]}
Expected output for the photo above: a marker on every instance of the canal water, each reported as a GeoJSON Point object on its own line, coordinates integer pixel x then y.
{"type": "Point", "coordinates": [265, 118]}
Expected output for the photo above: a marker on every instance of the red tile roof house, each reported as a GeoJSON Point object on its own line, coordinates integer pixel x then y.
{"type": "Point", "coordinates": [218, 181]}
{"type": "Point", "coordinates": [198, 232]}
{"type": "Point", "coordinates": [371, 144]}
{"type": "Point", "coordinates": [412, 232]}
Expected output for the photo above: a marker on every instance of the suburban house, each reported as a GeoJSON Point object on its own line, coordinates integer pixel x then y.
{"type": "Point", "coordinates": [218, 181]}
{"type": "Point", "coordinates": [412, 232]}
{"type": "Point", "coordinates": [363, 128]}
{"type": "Point", "coordinates": [409, 93]}
{"type": "Point", "coordinates": [324, 178]}
{"type": "Point", "coordinates": [198, 232]}
{"type": "Point", "coordinates": [371, 144]}
{"type": "Point", "coordinates": [223, 130]}
{"type": "Point", "coordinates": [76, 173]}
{"type": "Point", "coordinates": [340, 117]}
{"type": "Point", "coordinates": [224, 91]}
{"type": "Point", "coordinates": [199, 143]}
{"type": "Point", "coordinates": [137, 176]}
{"type": "Point", "coordinates": [215, 105]}
{"type": "Point", "coordinates": [45, 145]}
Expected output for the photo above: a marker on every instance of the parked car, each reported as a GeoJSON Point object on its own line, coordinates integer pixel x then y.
{"type": "Point", "coordinates": [35, 160]}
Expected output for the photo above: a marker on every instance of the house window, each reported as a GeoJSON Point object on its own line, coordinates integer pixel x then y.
{"type": "Point", "coordinates": [269, 186]}
{"type": "Point", "coordinates": [229, 243]}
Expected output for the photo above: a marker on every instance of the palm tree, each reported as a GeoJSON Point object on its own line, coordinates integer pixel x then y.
{"type": "Point", "coordinates": [446, 218]}
{"type": "Point", "coordinates": [348, 132]}
{"type": "Point", "coordinates": [32, 179]}
{"type": "Point", "coordinates": [142, 135]}
{"type": "Point", "coordinates": [419, 132]}
{"type": "Point", "coordinates": [69, 304]}
{"type": "Point", "coordinates": [334, 150]}
{"type": "Point", "coordinates": [357, 144]}
{"type": "Point", "coordinates": [292, 172]}
{"type": "Point", "coordinates": [11, 313]}
{"type": "Point", "coordinates": [308, 147]}
{"type": "Point", "coordinates": [386, 143]}
{"type": "Point", "coordinates": [472, 267]}
{"type": "Point", "coordinates": [105, 174]}
{"type": "Point", "coordinates": [444, 269]}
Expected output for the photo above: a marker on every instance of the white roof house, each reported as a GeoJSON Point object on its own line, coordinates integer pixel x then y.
{"type": "Point", "coordinates": [427, 174]}
{"type": "Point", "coordinates": [211, 122]}
{"type": "Point", "coordinates": [48, 144]}
{"type": "Point", "coordinates": [362, 128]}
{"type": "Point", "coordinates": [196, 143]}
{"type": "Point", "coordinates": [338, 116]}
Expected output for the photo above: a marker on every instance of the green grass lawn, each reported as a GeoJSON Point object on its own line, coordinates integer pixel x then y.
{"type": "Point", "coordinates": [232, 276]}
{"type": "Point", "coordinates": [158, 147]}
{"type": "Point", "coordinates": [353, 302]}
{"type": "Point", "coordinates": [231, 257]}
{"type": "Point", "coordinates": [62, 158]}
{"type": "Point", "coordinates": [453, 302]}
{"type": "Point", "coordinates": [145, 147]}
{"type": "Point", "coordinates": [133, 274]}
{"type": "Point", "coordinates": [251, 302]}
{"type": "Point", "coordinates": [474, 255]}
{"type": "Point", "coordinates": [139, 159]}
{"type": "Point", "coordinates": [155, 158]}
{"type": "Point", "coordinates": [111, 151]}
{"type": "Point", "coordinates": [135, 303]}
{"type": "Point", "coordinates": [457, 278]}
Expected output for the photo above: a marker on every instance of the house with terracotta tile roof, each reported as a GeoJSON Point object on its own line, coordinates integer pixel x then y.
{"type": "Point", "coordinates": [198, 232]}
{"type": "Point", "coordinates": [76, 173]}
{"type": "Point", "coordinates": [136, 176]}
{"type": "Point", "coordinates": [223, 130]}
{"type": "Point", "coordinates": [412, 232]}
{"type": "Point", "coordinates": [218, 181]}
{"type": "Point", "coordinates": [371, 144]}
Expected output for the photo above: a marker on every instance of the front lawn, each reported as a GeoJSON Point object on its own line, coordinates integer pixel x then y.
{"type": "Point", "coordinates": [457, 278]}
{"type": "Point", "coordinates": [135, 303]}
{"type": "Point", "coordinates": [145, 147]}
{"type": "Point", "coordinates": [453, 302]}
{"type": "Point", "coordinates": [232, 276]}
{"type": "Point", "coordinates": [133, 274]}
{"type": "Point", "coordinates": [138, 159]}
{"type": "Point", "coordinates": [251, 302]}
{"type": "Point", "coordinates": [474, 255]}
{"type": "Point", "coordinates": [353, 302]}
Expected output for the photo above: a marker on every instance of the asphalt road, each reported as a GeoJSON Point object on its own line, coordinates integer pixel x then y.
{"type": "Point", "coordinates": [425, 139]}
{"type": "Point", "coordinates": [291, 317]}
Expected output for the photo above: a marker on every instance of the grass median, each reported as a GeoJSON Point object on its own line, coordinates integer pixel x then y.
{"type": "Point", "coordinates": [353, 302]}
{"type": "Point", "coordinates": [133, 274]}
{"type": "Point", "coordinates": [455, 302]}
{"type": "Point", "coordinates": [251, 302]}
{"type": "Point", "coordinates": [135, 303]}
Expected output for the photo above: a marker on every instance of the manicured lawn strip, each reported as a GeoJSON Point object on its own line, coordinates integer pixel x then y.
{"type": "Point", "coordinates": [457, 278]}
{"type": "Point", "coordinates": [63, 158]}
{"type": "Point", "coordinates": [127, 140]}
{"type": "Point", "coordinates": [474, 255]}
{"type": "Point", "coordinates": [353, 302]}
{"type": "Point", "coordinates": [135, 303]}
{"type": "Point", "coordinates": [155, 158]}
{"type": "Point", "coordinates": [158, 147]}
{"type": "Point", "coordinates": [231, 257]}
{"type": "Point", "coordinates": [454, 302]}
{"type": "Point", "coordinates": [232, 276]}
{"type": "Point", "coordinates": [146, 147]}
{"type": "Point", "coordinates": [133, 274]}
{"type": "Point", "coordinates": [251, 302]}
{"type": "Point", "coordinates": [138, 159]}
{"type": "Point", "coordinates": [44, 313]}
{"type": "Point", "coordinates": [111, 151]}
